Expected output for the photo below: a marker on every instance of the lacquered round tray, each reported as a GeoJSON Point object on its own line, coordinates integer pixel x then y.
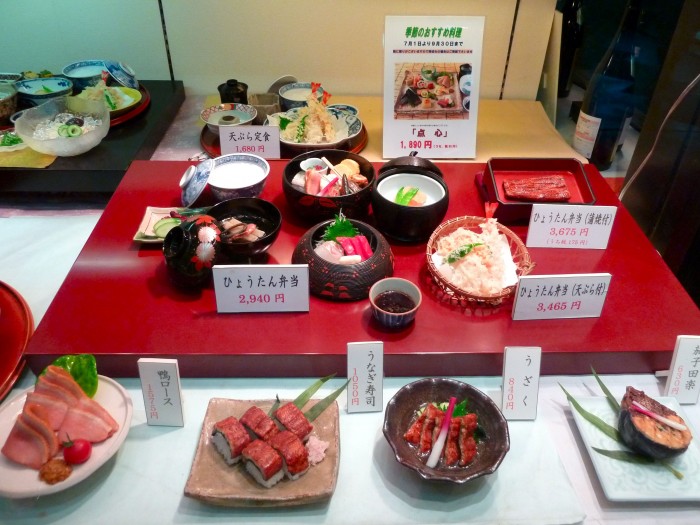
{"type": "Point", "coordinates": [16, 328]}
{"type": "Point", "coordinates": [212, 146]}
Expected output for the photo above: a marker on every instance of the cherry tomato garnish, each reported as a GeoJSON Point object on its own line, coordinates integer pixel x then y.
{"type": "Point", "coordinates": [76, 451]}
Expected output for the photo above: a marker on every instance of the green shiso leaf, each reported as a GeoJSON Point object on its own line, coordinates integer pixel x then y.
{"type": "Point", "coordinates": [304, 397]}
{"type": "Point", "coordinates": [460, 409]}
{"type": "Point", "coordinates": [319, 407]}
{"type": "Point", "coordinates": [633, 457]}
{"type": "Point", "coordinates": [611, 399]}
{"type": "Point", "coordinates": [284, 122]}
{"type": "Point", "coordinates": [340, 227]}
{"type": "Point", "coordinates": [601, 425]}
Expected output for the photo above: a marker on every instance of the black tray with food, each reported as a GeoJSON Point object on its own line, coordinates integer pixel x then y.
{"type": "Point", "coordinates": [510, 186]}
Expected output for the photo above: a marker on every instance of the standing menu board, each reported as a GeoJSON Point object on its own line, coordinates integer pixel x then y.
{"type": "Point", "coordinates": [432, 67]}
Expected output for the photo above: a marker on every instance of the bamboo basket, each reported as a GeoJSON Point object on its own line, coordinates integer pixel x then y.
{"type": "Point", "coordinates": [521, 258]}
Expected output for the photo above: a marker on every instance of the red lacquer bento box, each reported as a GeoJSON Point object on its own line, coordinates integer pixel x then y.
{"type": "Point", "coordinates": [501, 169]}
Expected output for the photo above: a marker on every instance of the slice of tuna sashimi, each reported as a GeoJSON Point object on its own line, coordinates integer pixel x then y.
{"type": "Point", "coordinates": [26, 446]}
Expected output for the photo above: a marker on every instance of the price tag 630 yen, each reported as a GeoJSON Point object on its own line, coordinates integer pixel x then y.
{"type": "Point", "coordinates": [570, 226]}
{"type": "Point", "coordinates": [560, 296]}
{"type": "Point", "coordinates": [262, 288]}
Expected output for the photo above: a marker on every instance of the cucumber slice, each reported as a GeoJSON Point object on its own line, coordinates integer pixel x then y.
{"type": "Point", "coordinates": [164, 225]}
{"type": "Point", "coordinates": [63, 131]}
{"type": "Point", "coordinates": [74, 130]}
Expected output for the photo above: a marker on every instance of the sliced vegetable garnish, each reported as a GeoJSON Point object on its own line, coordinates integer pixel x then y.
{"type": "Point", "coordinates": [405, 195]}
{"type": "Point", "coordinates": [461, 252]}
{"type": "Point", "coordinates": [10, 138]}
{"type": "Point", "coordinates": [164, 225]}
{"type": "Point", "coordinates": [436, 452]}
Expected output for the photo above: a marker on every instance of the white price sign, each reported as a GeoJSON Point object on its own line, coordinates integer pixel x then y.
{"type": "Point", "coordinates": [570, 226]}
{"type": "Point", "coordinates": [366, 375]}
{"type": "Point", "coordinates": [521, 382]}
{"type": "Point", "coordinates": [263, 141]}
{"type": "Point", "coordinates": [683, 381]}
{"type": "Point", "coordinates": [261, 288]}
{"type": "Point", "coordinates": [560, 296]}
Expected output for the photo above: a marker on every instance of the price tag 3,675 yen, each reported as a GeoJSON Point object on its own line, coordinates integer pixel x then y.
{"type": "Point", "coordinates": [262, 288]}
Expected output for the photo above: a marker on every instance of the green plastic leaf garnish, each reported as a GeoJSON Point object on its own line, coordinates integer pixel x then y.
{"type": "Point", "coordinates": [304, 397]}
{"type": "Point", "coordinates": [601, 425]}
{"type": "Point", "coordinates": [319, 407]}
{"type": "Point", "coordinates": [284, 122]}
{"type": "Point", "coordinates": [340, 227]}
{"type": "Point", "coordinates": [632, 457]}
{"type": "Point", "coordinates": [611, 399]}
{"type": "Point", "coordinates": [83, 368]}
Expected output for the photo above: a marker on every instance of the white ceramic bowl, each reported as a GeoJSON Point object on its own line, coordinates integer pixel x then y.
{"type": "Point", "coordinates": [243, 115]}
{"type": "Point", "coordinates": [238, 175]}
{"type": "Point", "coordinates": [294, 95]}
{"type": "Point", "coordinates": [35, 91]}
{"type": "Point", "coordinates": [27, 123]}
{"type": "Point", "coordinates": [390, 185]}
{"type": "Point", "coordinates": [84, 73]}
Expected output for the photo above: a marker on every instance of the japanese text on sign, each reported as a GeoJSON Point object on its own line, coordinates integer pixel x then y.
{"type": "Point", "coordinates": [560, 296]}
{"type": "Point", "coordinates": [683, 381]}
{"type": "Point", "coordinates": [262, 288]}
{"type": "Point", "coordinates": [160, 383]}
{"type": "Point", "coordinates": [263, 141]}
{"type": "Point", "coordinates": [570, 226]}
{"type": "Point", "coordinates": [366, 374]}
{"type": "Point", "coordinates": [521, 379]}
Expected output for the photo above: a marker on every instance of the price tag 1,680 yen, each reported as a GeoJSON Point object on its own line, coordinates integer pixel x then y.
{"type": "Point", "coordinates": [570, 226]}
{"type": "Point", "coordinates": [262, 288]}
{"type": "Point", "coordinates": [263, 141]}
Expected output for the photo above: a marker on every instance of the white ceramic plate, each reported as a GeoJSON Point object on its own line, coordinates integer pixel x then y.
{"type": "Point", "coordinates": [622, 481]}
{"type": "Point", "coordinates": [17, 481]}
{"type": "Point", "coordinates": [213, 481]}
{"type": "Point", "coordinates": [150, 217]}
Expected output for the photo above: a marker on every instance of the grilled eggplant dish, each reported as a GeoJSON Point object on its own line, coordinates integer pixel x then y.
{"type": "Point", "coordinates": [651, 428]}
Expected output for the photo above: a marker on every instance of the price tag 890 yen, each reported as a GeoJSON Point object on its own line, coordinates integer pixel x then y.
{"type": "Point", "coordinates": [261, 288]}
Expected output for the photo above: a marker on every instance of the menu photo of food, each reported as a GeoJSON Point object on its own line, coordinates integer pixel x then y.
{"type": "Point", "coordinates": [432, 90]}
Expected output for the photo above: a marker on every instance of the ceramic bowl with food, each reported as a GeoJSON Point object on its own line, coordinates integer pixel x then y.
{"type": "Point", "coordinates": [309, 202]}
{"type": "Point", "coordinates": [228, 115]}
{"type": "Point", "coordinates": [84, 73]}
{"type": "Point", "coordinates": [65, 126]}
{"type": "Point", "coordinates": [344, 282]}
{"type": "Point", "coordinates": [36, 91]}
{"type": "Point", "coordinates": [492, 429]}
{"type": "Point", "coordinates": [249, 226]}
{"type": "Point", "coordinates": [394, 302]}
{"type": "Point", "coordinates": [8, 101]}
{"type": "Point", "coordinates": [295, 95]}
{"type": "Point", "coordinates": [346, 127]}
{"type": "Point", "coordinates": [409, 205]}
{"type": "Point", "coordinates": [238, 175]}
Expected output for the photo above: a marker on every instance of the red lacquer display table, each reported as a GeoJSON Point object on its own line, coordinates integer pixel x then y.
{"type": "Point", "coordinates": [118, 304]}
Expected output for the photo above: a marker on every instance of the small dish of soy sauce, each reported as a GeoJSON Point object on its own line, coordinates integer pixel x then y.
{"type": "Point", "coordinates": [394, 301]}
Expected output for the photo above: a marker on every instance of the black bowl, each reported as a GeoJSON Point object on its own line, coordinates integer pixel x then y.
{"type": "Point", "coordinates": [411, 224]}
{"type": "Point", "coordinates": [491, 448]}
{"type": "Point", "coordinates": [315, 208]}
{"type": "Point", "coordinates": [344, 282]}
{"type": "Point", "coordinates": [264, 214]}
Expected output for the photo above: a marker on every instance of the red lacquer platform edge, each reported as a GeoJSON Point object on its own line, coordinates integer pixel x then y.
{"type": "Point", "coordinates": [117, 303]}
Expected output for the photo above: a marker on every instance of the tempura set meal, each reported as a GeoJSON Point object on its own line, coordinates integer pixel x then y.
{"type": "Point", "coordinates": [478, 263]}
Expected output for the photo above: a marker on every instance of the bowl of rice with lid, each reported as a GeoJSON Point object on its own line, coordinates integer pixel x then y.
{"type": "Point", "coordinates": [474, 259]}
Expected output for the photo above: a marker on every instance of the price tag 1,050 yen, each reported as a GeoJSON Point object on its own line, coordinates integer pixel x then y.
{"type": "Point", "coordinates": [261, 288]}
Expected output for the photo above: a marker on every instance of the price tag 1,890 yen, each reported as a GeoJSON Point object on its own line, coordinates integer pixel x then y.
{"type": "Point", "coordinates": [262, 288]}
